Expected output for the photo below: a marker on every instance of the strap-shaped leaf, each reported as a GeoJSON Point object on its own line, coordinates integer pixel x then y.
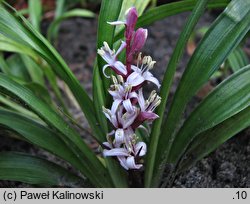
{"type": "Point", "coordinates": [9, 45]}
{"type": "Point", "coordinates": [222, 37]}
{"type": "Point", "coordinates": [9, 104]}
{"type": "Point", "coordinates": [237, 59]}
{"type": "Point", "coordinates": [166, 84]}
{"type": "Point", "coordinates": [38, 134]}
{"type": "Point", "coordinates": [34, 70]}
{"type": "Point", "coordinates": [166, 10]}
{"type": "Point", "coordinates": [35, 13]}
{"type": "Point", "coordinates": [228, 99]}
{"type": "Point", "coordinates": [33, 170]}
{"type": "Point", "coordinates": [109, 12]}
{"type": "Point", "coordinates": [208, 141]}
{"type": "Point", "coordinates": [91, 166]}
{"type": "Point", "coordinates": [20, 32]}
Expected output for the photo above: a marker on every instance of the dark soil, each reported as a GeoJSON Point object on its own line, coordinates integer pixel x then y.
{"type": "Point", "coordinates": [228, 166]}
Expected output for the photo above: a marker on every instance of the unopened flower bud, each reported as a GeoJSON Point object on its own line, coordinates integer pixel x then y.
{"type": "Point", "coordinates": [139, 40]}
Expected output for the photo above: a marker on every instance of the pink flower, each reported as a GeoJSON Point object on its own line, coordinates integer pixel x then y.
{"type": "Point", "coordinates": [142, 73]}
{"type": "Point", "coordinates": [118, 118]}
{"type": "Point", "coordinates": [129, 108]}
{"type": "Point", "coordinates": [111, 58]}
{"type": "Point", "coordinates": [147, 107]}
{"type": "Point", "coordinates": [122, 94]}
{"type": "Point", "coordinates": [127, 158]}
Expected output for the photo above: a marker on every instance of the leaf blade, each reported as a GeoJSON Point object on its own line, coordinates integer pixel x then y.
{"type": "Point", "coordinates": [228, 99]}
{"type": "Point", "coordinates": [29, 169]}
{"type": "Point", "coordinates": [165, 88]}
{"type": "Point", "coordinates": [223, 36]}
{"type": "Point", "coordinates": [88, 159]}
{"type": "Point", "coordinates": [209, 140]}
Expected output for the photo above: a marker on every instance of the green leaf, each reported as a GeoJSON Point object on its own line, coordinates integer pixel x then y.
{"type": "Point", "coordinates": [109, 12]}
{"type": "Point", "coordinates": [91, 166]}
{"type": "Point", "coordinates": [40, 91]}
{"type": "Point", "coordinates": [209, 140]}
{"type": "Point", "coordinates": [9, 45]}
{"type": "Point", "coordinates": [222, 37]}
{"type": "Point", "coordinates": [35, 72]}
{"type": "Point", "coordinates": [237, 59]}
{"type": "Point", "coordinates": [35, 13]}
{"type": "Point", "coordinates": [20, 34]}
{"type": "Point", "coordinates": [105, 33]}
{"type": "Point", "coordinates": [72, 13]}
{"type": "Point", "coordinates": [17, 68]}
{"type": "Point", "coordinates": [16, 107]}
{"type": "Point", "coordinates": [99, 100]}
{"type": "Point", "coordinates": [33, 170]}
{"type": "Point", "coordinates": [50, 75]}
{"type": "Point", "coordinates": [38, 135]}
{"type": "Point", "coordinates": [25, 71]}
{"type": "Point", "coordinates": [170, 9]}
{"type": "Point", "coordinates": [3, 65]}
{"type": "Point", "coordinates": [228, 99]}
{"type": "Point", "coordinates": [166, 84]}
{"type": "Point", "coordinates": [60, 9]}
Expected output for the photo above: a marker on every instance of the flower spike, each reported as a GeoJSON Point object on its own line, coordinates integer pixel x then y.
{"type": "Point", "coordinates": [129, 108]}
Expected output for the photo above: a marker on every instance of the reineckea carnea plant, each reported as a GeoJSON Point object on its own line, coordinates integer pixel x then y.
{"type": "Point", "coordinates": [118, 113]}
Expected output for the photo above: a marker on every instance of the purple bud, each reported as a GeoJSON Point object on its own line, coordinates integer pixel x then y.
{"type": "Point", "coordinates": [139, 40]}
{"type": "Point", "coordinates": [131, 19]}
{"type": "Point", "coordinates": [150, 116]}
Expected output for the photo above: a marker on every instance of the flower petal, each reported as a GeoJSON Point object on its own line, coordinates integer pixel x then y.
{"type": "Point", "coordinates": [131, 163]}
{"type": "Point", "coordinates": [115, 106]}
{"type": "Point", "coordinates": [107, 144]}
{"type": "Point", "coordinates": [128, 118]}
{"type": "Point", "coordinates": [135, 68]}
{"type": "Point", "coordinates": [131, 19]}
{"type": "Point", "coordinates": [135, 79]}
{"type": "Point", "coordinates": [119, 137]}
{"type": "Point", "coordinates": [122, 46]}
{"type": "Point", "coordinates": [149, 77]}
{"type": "Point", "coordinates": [139, 40]}
{"type": "Point", "coordinates": [140, 148]}
{"type": "Point", "coordinates": [115, 152]}
{"type": "Point", "coordinates": [132, 95]}
{"type": "Point", "coordinates": [142, 116]}
{"type": "Point", "coordinates": [103, 70]}
{"type": "Point", "coordinates": [111, 116]}
{"type": "Point", "coordinates": [117, 91]}
{"type": "Point", "coordinates": [116, 23]}
{"type": "Point", "coordinates": [128, 105]}
{"type": "Point", "coordinates": [148, 115]}
{"type": "Point", "coordinates": [123, 163]}
{"type": "Point", "coordinates": [141, 100]}
{"type": "Point", "coordinates": [119, 68]}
